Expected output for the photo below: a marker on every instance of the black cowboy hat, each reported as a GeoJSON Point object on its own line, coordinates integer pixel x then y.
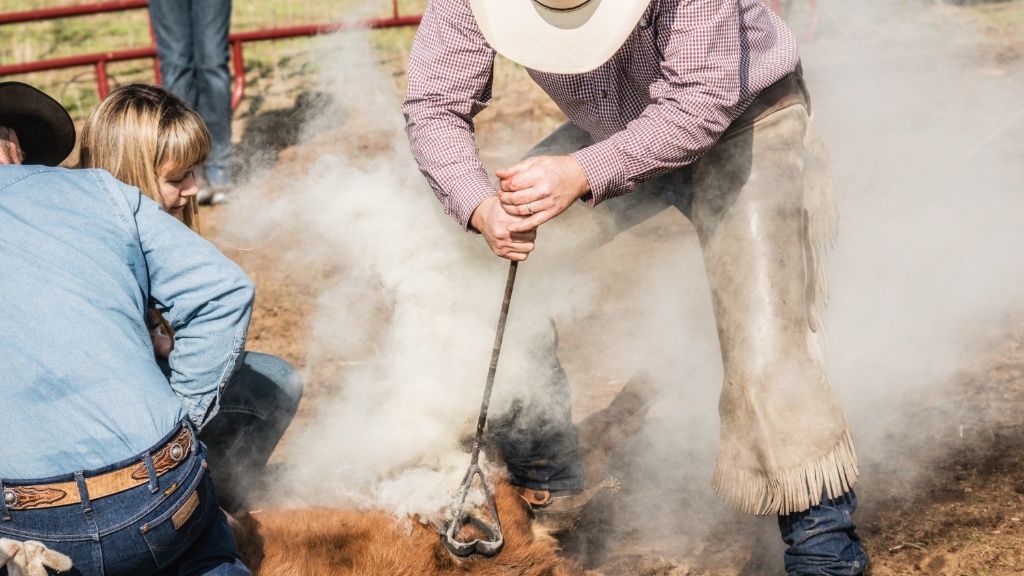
{"type": "Point", "coordinates": [43, 126]}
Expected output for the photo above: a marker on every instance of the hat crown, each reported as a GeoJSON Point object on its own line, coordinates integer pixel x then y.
{"type": "Point", "coordinates": [561, 4]}
{"type": "Point", "coordinates": [557, 36]}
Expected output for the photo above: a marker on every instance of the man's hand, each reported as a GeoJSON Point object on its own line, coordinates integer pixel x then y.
{"type": "Point", "coordinates": [541, 188]}
{"type": "Point", "coordinates": [494, 223]}
{"type": "Point", "coordinates": [10, 148]}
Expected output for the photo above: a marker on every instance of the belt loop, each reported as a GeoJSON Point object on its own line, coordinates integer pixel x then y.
{"type": "Point", "coordinates": [83, 492]}
{"type": "Point", "coordinates": [5, 514]}
{"type": "Point", "coordinates": [154, 482]}
{"type": "Point", "coordinates": [194, 433]}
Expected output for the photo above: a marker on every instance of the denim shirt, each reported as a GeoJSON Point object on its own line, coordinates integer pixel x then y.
{"type": "Point", "coordinates": [81, 257]}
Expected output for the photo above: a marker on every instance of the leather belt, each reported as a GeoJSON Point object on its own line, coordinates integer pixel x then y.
{"type": "Point", "coordinates": [165, 459]}
{"type": "Point", "coordinates": [788, 91]}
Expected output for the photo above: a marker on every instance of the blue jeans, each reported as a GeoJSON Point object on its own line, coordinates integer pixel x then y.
{"type": "Point", "coordinates": [256, 406]}
{"type": "Point", "coordinates": [192, 44]}
{"type": "Point", "coordinates": [536, 437]}
{"type": "Point", "coordinates": [822, 541]}
{"type": "Point", "coordinates": [139, 532]}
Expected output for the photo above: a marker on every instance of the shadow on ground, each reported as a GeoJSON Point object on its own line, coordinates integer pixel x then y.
{"type": "Point", "coordinates": [268, 132]}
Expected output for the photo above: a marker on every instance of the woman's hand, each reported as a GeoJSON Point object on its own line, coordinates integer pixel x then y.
{"type": "Point", "coordinates": [162, 344]}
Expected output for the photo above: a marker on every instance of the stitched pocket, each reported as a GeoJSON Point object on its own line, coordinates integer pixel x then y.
{"type": "Point", "coordinates": [170, 534]}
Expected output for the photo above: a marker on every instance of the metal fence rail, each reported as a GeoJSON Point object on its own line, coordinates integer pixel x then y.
{"type": "Point", "coordinates": [99, 60]}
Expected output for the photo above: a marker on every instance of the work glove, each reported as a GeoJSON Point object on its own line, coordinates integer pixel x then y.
{"type": "Point", "coordinates": [30, 558]}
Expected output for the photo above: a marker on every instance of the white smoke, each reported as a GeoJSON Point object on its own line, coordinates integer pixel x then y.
{"type": "Point", "coordinates": [413, 310]}
{"type": "Point", "coordinates": [928, 176]}
{"type": "Point", "coordinates": [921, 122]}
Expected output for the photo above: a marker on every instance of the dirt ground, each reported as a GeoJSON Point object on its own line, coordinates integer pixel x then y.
{"type": "Point", "coordinates": [964, 518]}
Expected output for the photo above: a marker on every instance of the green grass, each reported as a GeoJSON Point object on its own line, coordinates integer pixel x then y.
{"type": "Point", "coordinates": [1004, 17]}
{"type": "Point", "coordinates": [265, 61]}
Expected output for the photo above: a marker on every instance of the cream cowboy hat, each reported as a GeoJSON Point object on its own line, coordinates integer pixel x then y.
{"type": "Point", "coordinates": [558, 36]}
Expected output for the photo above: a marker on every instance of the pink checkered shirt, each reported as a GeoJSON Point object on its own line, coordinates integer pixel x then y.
{"type": "Point", "coordinates": [689, 68]}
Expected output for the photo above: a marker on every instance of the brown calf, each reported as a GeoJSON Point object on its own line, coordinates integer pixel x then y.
{"type": "Point", "coordinates": [330, 542]}
{"type": "Point", "coordinates": [333, 542]}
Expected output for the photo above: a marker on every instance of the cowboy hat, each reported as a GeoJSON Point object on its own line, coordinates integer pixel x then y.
{"type": "Point", "coordinates": [558, 36]}
{"type": "Point", "coordinates": [43, 126]}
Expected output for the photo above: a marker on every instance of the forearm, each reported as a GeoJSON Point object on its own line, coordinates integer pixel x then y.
{"type": "Point", "coordinates": [450, 75]}
{"type": "Point", "coordinates": [448, 157]}
{"type": "Point", "coordinates": [208, 347]}
{"type": "Point", "coordinates": [663, 139]}
{"type": "Point", "coordinates": [702, 89]}
{"type": "Point", "coordinates": [206, 299]}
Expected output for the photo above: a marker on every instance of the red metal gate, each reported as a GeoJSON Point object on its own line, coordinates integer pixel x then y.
{"type": "Point", "coordinates": [99, 60]}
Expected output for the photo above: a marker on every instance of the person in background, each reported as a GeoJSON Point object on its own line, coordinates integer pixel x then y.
{"type": "Point", "coordinates": [148, 138]}
{"type": "Point", "coordinates": [100, 465]}
{"type": "Point", "coordinates": [697, 106]}
{"type": "Point", "coordinates": [193, 48]}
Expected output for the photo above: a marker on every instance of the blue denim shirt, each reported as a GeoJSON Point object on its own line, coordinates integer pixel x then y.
{"type": "Point", "coordinates": [81, 257]}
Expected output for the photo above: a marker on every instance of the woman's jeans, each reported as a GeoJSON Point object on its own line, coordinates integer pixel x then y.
{"type": "Point", "coordinates": [171, 525]}
{"type": "Point", "coordinates": [256, 407]}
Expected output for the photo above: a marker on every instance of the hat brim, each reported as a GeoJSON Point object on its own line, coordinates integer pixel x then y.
{"type": "Point", "coordinates": [44, 128]}
{"type": "Point", "coordinates": [557, 41]}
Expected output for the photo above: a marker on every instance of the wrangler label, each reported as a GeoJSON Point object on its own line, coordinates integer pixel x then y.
{"type": "Point", "coordinates": [186, 510]}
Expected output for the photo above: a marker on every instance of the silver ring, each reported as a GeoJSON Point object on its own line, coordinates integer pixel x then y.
{"type": "Point", "coordinates": [529, 208]}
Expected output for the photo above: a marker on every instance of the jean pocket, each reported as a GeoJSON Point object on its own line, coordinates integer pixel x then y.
{"type": "Point", "coordinates": [175, 529]}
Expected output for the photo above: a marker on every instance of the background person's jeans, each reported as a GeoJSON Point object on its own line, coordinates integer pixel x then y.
{"type": "Point", "coordinates": [138, 532]}
{"type": "Point", "coordinates": [536, 437]}
{"type": "Point", "coordinates": [822, 541]}
{"type": "Point", "coordinates": [192, 44]}
{"type": "Point", "coordinates": [256, 406]}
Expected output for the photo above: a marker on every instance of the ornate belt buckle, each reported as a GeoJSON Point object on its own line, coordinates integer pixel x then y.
{"type": "Point", "coordinates": [10, 498]}
{"type": "Point", "coordinates": [176, 452]}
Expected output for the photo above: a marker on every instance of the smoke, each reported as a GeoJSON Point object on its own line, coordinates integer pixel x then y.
{"type": "Point", "coordinates": [927, 273]}
{"type": "Point", "coordinates": [928, 177]}
{"type": "Point", "coordinates": [411, 312]}
{"type": "Point", "coordinates": [916, 104]}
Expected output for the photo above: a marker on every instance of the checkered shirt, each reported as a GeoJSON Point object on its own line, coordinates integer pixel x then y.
{"type": "Point", "coordinates": [688, 69]}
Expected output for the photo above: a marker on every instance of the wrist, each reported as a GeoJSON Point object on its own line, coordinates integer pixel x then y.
{"type": "Point", "coordinates": [582, 184]}
{"type": "Point", "coordinates": [477, 219]}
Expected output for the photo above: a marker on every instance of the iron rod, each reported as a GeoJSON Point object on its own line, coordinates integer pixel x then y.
{"type": "Point", "coordinates": [495, 352]}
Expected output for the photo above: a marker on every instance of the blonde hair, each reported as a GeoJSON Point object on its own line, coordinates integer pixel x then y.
{"type": "Point", "coordinates": [139, 131]}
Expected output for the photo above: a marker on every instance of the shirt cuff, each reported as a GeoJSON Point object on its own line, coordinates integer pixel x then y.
{"type": "Point", "coordinates": [464, 198]}
{"type": "Point", "coordinates": [603, 165]}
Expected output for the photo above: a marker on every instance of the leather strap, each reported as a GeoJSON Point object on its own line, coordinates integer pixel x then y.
{"type": "Point", "coordinates": [36, 496]}
{"type": "Point", "coordinates": [789, 91]}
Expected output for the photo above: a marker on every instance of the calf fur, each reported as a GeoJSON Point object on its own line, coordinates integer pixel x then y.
{"type": "Point", "coordinates": [337, 542]}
